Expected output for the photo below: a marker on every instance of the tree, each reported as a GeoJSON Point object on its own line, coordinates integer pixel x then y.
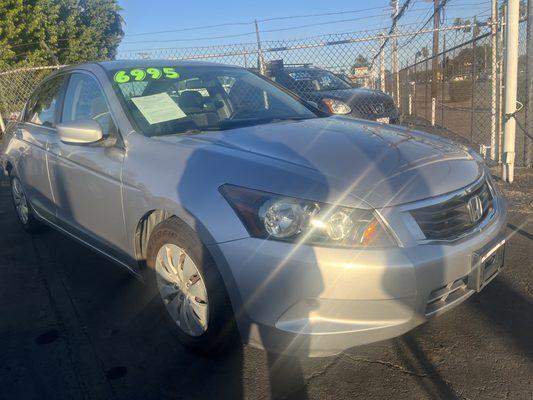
{"type": "Point", "coordinates": [360, 61]}
{"type": "Point", "coordinates": [37, 32]}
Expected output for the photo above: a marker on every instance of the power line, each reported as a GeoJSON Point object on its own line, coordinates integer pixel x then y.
{"type": "Point", "coordinates": [34, 43]}
{"type": "Point", "coordinates": [440, 7]}
{"type": "Point", "coordinates": [319, 15]}
{"type": "Point", "coordinates": [265, 41]}
{"type": "Point", "coordinates": [251, 22]}
{"type": "Point", "coordinates": [252, 33]}
{"type": "Point", "coordinates": [391, 29]}
{"type": "Point", "coordinates": [321, 23]}
{"type": "Point", "coordinates": [190, 29]}
{"type": "Point", "coordinates": [191, 39]}
{"type": "Point", "coordinates": [263, 30]}
{"type": "Point", "coordinates": [443, 3]}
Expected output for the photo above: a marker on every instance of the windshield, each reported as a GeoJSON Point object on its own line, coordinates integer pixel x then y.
{"type": "Point", "coordinates": [315, 80]}
{"type": "Point", "coordinates": [193, 99]}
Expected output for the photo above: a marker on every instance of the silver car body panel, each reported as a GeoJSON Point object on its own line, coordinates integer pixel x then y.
{"type": "Point", "coordinates": [290, 298]}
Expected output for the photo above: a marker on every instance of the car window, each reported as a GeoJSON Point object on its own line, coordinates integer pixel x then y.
{"type": "Point", "coordinates": [85, 100]}
{"type": "Point", "coordinates": [174, 100]}
{"type": "Point", "coordinates": [315, 80]}
{"type": "Point", "coordinates": [42, 105]}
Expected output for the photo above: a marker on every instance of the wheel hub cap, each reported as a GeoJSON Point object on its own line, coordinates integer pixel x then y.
{"type": "Point", "coordinates": [19, 198]}
{"type": "Point", "coordinates": [182, 289]}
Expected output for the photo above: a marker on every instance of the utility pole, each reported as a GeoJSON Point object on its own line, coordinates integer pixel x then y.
{"type": "Point", "coordinates": [511, 74]}
{"type": "Point", "coordinates": [435, 61]}
{"type": "Point", "coordinates": [493, 77]}
{"type": "Point", "coordinates": [260, 58]}
{"type": "Point", "coordinates": [528, 148]}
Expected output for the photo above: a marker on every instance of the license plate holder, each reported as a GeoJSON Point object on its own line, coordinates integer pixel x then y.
{"type": "Point", "coordinates": [486, 264]}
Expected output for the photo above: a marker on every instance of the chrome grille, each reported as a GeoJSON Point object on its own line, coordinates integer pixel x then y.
{"type": "Point", "coordinates": [451, 219]}
{"type": "Point", "coordinates": [378, 106]}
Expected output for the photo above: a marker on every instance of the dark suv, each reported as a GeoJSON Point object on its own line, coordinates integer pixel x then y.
{"type": "Point", "coordinates": [335, 95]}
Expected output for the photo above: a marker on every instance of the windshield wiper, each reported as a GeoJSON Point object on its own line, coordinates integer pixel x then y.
{"type": "Point", "coordinates": [237, 123]}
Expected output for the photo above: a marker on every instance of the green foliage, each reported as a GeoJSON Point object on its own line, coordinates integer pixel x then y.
{"type": "Point", "coordinates": [360, 61]}
{"type": "Point", "coordinates": [37, 32]}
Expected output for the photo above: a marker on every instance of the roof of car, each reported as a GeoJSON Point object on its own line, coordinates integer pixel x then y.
{"type": "Point", "coordinates": [117, 64]}
{"type": "Point", "coordinates": [301, 69]}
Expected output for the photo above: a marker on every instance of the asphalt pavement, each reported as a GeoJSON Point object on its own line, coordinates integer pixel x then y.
{"type": "Point", "coordinates": [73, 325]}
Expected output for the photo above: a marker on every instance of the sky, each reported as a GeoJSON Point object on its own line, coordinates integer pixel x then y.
{"type": "Point", "coordinates": [167, 15]}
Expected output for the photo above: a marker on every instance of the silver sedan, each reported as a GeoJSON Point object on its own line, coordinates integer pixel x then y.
{"type": "Point", "coordinates": [250, 214]}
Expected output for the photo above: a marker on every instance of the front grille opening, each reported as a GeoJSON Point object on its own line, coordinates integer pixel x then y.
{"type": "Point", "coordinates": [450, 220]}
{"type": "Point", "coordinates": [374, 107]}
{"type": "Point", "coordinates": [445, 295]}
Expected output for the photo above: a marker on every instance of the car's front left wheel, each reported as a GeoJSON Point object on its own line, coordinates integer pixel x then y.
{"type": "Point", "coordinates": [192, 294]}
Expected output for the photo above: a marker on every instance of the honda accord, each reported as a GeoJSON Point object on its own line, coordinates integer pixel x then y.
{"type": "Point", "coordinates": [247, 212]}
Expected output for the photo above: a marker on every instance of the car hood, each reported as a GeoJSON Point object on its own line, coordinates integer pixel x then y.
{"type": "Point", "coordinates": [382, 165]}
{"type": "Point", "coordinates": [350, 95]}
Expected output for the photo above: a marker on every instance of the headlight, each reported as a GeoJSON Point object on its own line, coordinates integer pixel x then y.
{"type": "Point", "coordinates": [276, 217]}
{"type": "Point", "coordinates": [337, 106]}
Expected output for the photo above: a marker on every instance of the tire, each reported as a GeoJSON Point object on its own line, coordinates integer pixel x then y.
{"type": "Point", "coordinates": [23, 209]}
{"type": "Point", "coordinates": [212, 332]}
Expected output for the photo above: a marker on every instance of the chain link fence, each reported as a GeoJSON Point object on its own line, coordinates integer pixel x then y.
{"type": "Point", "coordinates": [458, 88]}
{"type": "Point", "coordinates": [16, 86]}
{"type": "Point", "coordinates": [461, 88]}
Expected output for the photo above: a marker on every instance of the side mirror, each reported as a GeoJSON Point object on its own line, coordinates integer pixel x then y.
{"type": "Point", "coordinates": [313, 104]}
{"type": "Point", "coordinates": [80, 132]}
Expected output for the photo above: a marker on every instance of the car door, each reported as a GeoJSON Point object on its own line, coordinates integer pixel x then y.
{"type": "Point", "coordinates": [86, 179]}
{"type": "Point", "coordinates": [33, 134]}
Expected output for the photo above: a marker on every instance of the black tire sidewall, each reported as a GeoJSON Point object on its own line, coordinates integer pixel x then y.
{"type": "Point", "coordinates": [220, 332]}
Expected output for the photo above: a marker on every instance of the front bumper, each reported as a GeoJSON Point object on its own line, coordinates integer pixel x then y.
{"type": "Point", "coordinates": [317, 301]}
{"type": "Point", "coordinates": [392, 115]}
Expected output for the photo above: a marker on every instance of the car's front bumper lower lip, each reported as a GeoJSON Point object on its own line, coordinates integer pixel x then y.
{"type": "Point", "coordinates": [319, 301]}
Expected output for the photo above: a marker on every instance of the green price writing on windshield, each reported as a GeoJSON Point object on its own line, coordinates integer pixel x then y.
{"type": "Point", "coordinates": [141, 74]}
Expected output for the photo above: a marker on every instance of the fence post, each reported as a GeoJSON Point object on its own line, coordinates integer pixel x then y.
{"type": "Point", "coordinates": [2, 125]}
{"type": "Point", "coordinates": [433, 103]}
{"type": "Point", "coordinates": [382, 65]}
{"type": "Point", "coordinates": [426, 92]}
{"type": "Point", "coordinates": [503, 31]}
{"type": "Point", "coordinates": [493, 77]}
{"type": "Point", "coordinates": [435, 48]}
{"type": "Point", "coordinates": [473, 86]}
{"type": "Point", "coordinates": [415, 109]}
{"type": "Point", "coordinates": [394, 73]}
{"type": "Point", "coordinates": [528, 144]}
{"type": "Point", "coordinates": [261, 59]}
{"type": "Point", "coordinates": [511, 72]}
{"type": "Point", "coordinates": [442, 79]}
